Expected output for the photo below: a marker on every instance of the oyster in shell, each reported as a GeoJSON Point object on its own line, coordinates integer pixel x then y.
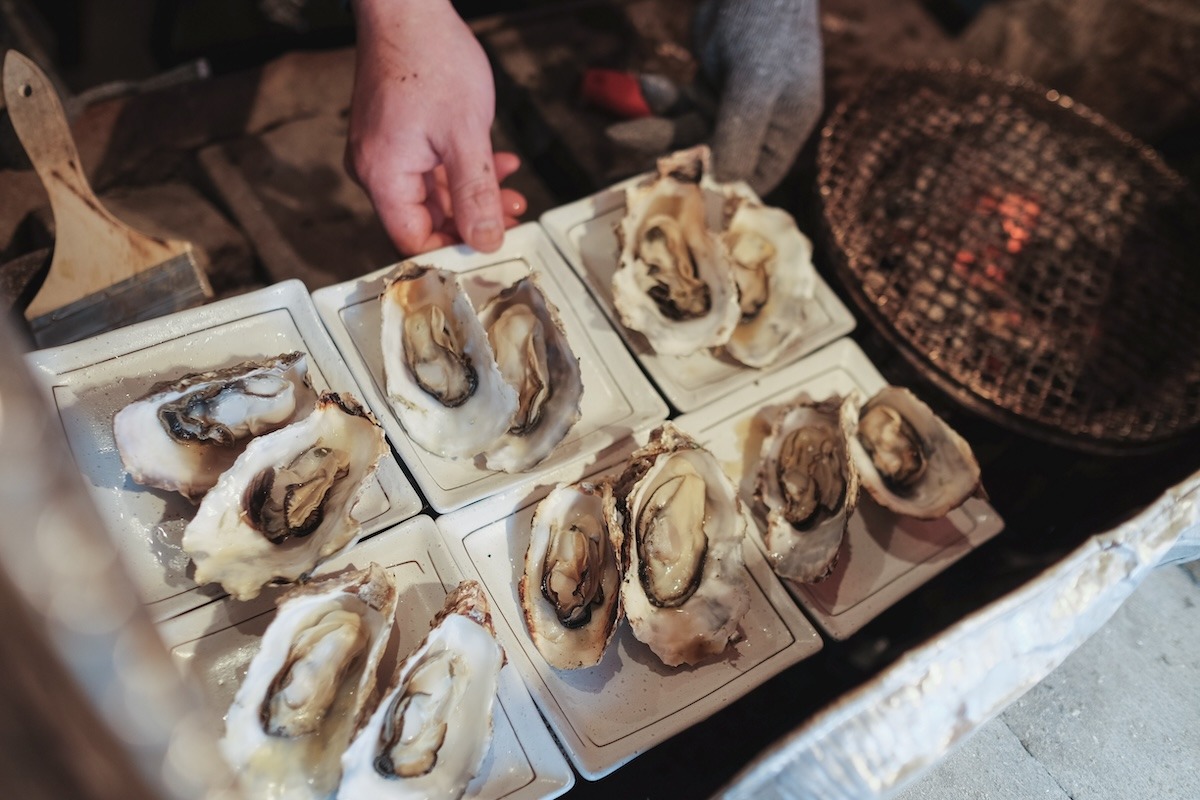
{"type": "Point", "coordinates": [673, 283]}
{"type": "Point", "coordinates": [442, 377]}
{"type": "Point", "coordinates": [534, 357]}
{"type": "Point", "coordinates": [285, 505]}
{"type": "Point", "coordinates": [311, 680]}
{"type": "Point", "coordinates": [685, 589]}
{"type": "Point", "coordinates": [772, 266]}
{"type": "Point", "coordinates": [570, 590]}
{"type": "Point", "coordinates": [909, 459]}
{"type": "Point", "coordinates": [808, 485]}
{"type": "Point", "coordinates": [429, 734]}
{"type": "Point", "coordinates": [184, 433]}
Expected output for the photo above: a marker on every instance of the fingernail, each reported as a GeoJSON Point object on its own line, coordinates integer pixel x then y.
{"type": "Point", "coordinates": [487, 235]}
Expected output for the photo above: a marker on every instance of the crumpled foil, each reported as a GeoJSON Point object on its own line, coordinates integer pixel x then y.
{"type": "Point", "coordinates": [875, 741]}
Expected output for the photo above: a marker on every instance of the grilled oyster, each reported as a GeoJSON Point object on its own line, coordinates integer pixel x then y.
{"type": "Point", "coordinates": [909, 459]}
{"type": "Point", "coordinates": [772, 266]}
{"type": "Point", "coordinates": [184, 433]}
{"type": "Point", "coordinates": [570, 590]}
{"type": "Point", "coordinates": [808, 485]}
{"type": "Point", "coordinates": [535, 358]}
{"type": "Point", "coordinates": [429, 734]}
{"type": "Point", "coordinates": [685, 589]}
{"type": "Point", "coordinates": [284, 506]}
{"type": "Point", "coordinates": [442, 376]}
{"type": "Point", "coordinates": [673, 283]}
{"type": "Point", "coordinates": [308, 685]}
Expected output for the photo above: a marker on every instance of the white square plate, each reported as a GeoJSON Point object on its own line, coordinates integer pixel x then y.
{"type": "Point", "coordinates": [884, 556]}
{"type": "Point", "coordinates": [585, 233]}
{"type": "Point", "coordinates": [90, 380]}
{"type": "Point", "coordinates": [607, 714]}
{"type": "Point", "coordinates": [217, 642]}
{"type": "Point", "coordinates": [617, 399]}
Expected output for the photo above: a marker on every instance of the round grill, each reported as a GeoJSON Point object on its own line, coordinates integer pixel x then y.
{"type": "Point", "coordinates": [1030, 258]}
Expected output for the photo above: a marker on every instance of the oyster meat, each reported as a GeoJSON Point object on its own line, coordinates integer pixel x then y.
{"type": "Point", "coordinates": [673, 283]}
{"type": "Point", "coordinates": [570, 590]}
{"type": "Point", "coordinates": [285, 504]}
{"type": "Point", "coordinates": [535, 358]}
{"type": "Point", "coordinates": [808, 485]}
{"type": "Point", "coordinates": [429, 734]}
{"type": "Point", "coordinates": [772, 266]}
{"type": "Point", "coordinates": [909, 459]}
{"type": "Point", "coordinates": [442, 376]}
{"type": "Point", "coordinates": [310, 682]}
{"type": "Point", "coordinates": [184, 433]}
{"type": "Point", "coordinates": [685, 589]}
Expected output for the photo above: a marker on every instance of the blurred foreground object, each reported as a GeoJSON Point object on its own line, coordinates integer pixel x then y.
{"type": "Point", "coordinates": [92, 706]}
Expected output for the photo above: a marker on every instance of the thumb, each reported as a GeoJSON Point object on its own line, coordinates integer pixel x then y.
{"type": "Point", "coordinates": [743, 117]}
{"type": "Point", "coordinates": [475, 193]}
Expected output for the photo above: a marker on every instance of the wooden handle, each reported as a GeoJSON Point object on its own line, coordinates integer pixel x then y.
{"type": "Point", "coordinates": [93, 249]}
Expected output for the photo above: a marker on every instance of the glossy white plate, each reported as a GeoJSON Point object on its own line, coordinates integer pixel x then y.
{"type": "Point", "coordinates": [607, 714]}
{"type": "Point", "coordinates": [884, 556]}
{"type": "Point", "coordinates": [585, 233]}
{"type": "Point", "coordinates": [216, 644]}
{"type": "Point", "coordinates": [618, 400]}
{"type": "Point", "coordinates": [90, 380]}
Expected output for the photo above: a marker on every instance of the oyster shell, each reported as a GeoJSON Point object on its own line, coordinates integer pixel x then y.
{"type": "Point", "coordinates": [808, 485]}
{"type": "Point", "coordinates": [284, 506]}
{"type": "Point", "coordinates": [570, 590]}
{"type": "Point", "coordinates": [184, 433]}
{"type": "Point", "coordinates": [772, 266]}
{"type": "Point", "coordinates": [534, 357]}
{"type": "Point", "coordinates": [311, 680]}
{"type": "Point", "coordinates": [442, 376]}
{"type": "Point", "coordinates": [909, 459]}
{"type": "Point", "coordinates": [685, 589]}
{"type": "Point", "coordinates": [429, 734]}
{"type": "Point", "coordinates": [673, 282]}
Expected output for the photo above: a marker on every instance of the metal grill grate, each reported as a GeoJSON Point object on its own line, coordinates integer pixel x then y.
{"type": "Point", "coordinates": [1037, 263]}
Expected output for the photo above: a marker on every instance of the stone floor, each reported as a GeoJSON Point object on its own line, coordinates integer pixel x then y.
{"type": "Point", "coordinates": [1116, 721]}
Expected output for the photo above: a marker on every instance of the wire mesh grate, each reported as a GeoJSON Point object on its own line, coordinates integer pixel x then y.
{"type": "Point", "coordinates": [1031, 258]}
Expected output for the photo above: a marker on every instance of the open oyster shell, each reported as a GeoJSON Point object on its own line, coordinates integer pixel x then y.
{"type": "Point", "coordinates": [185, 432]}
{"type": "Point", "coordinates": [685, 588]}
{"type": "Point", "coordinates": [442, 377]}
{"type": "Point", "coordinates": [772, 266]}
{"type": "Point", "coordinates": [909, 459]}
{"type": "Point", "coordinates": [571, 588]}
{"type": "Point", "coordinates": [429, 734]}
{"type": "Point", "coordinates": [311, 680]}
{"type": "Point", "coordinates": [673, 282]}
{"type": "Point", "coordinates": [534, 357]}
{"type": "Point", "coordinates": [808, 485]}
{"type": "Point", "coordinates": [284, 506]}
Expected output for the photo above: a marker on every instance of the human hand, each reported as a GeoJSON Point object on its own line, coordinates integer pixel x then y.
{"type": "Point", "coordinates": [419, 137]}
{"type": "Point", "coordinates": [765, 58]}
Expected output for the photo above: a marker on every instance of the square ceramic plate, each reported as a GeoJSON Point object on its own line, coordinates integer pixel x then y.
{"type": "Point", "coordinates": [585, 233]}
{"type": "Point", "coordinates": [217, 642]}
{"type": "Point", "coordinates": [607, 714]}
{"type": "Point", "coordinates": [91, 380]}
{"type": "Point", "coordinates": [883, 556]}
{"type": "Point", "coordinates": [617, 398]}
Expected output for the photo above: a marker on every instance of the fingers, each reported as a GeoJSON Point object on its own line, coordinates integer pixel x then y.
{"type": "Point", "coordinates": [400, 203]}
{"type": "Point", "coordinates": [743, 118]}
{"type": "Point", "coordinates": [475, 192]}
{"type": "Point", "coordinates": [513, 205]}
